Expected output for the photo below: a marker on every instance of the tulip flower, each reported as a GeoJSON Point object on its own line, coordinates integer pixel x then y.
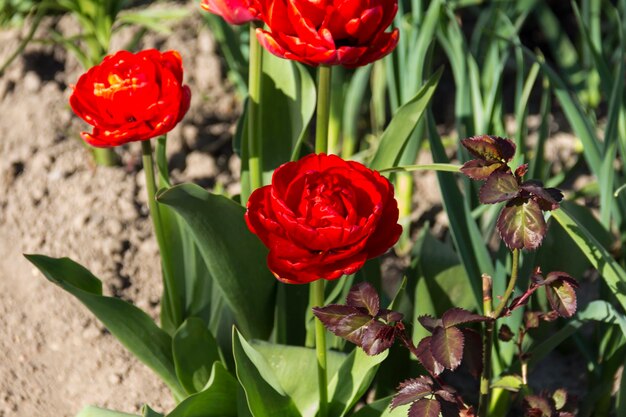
{"type": "Point", "coordinates": [327, 32]}
{"type": "Point", "coordinates": [235, 12]}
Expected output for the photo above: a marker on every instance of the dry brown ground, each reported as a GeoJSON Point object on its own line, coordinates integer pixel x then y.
{"type": "Point", "coordinates": [56, 357]}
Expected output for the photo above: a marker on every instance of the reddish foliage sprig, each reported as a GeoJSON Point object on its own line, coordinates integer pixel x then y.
{"type": "Point", "coordinates": [520, 224]}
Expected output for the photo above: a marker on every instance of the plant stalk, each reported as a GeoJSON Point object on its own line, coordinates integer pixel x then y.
{"type": "Point", "coordinates": [485, 377]}
{"type": "Point", "coordinates": [317, 287]}
{"type": "Point", "coordinates": [168, 275]}
{"type": "Point", "coordinates": [317, 300]}
{"type": "Point", "coordinates": [511, 287]}
{"type": "Point", "coordinates": [323, 109]}
{"type": "Point", "coordinates": [255, 164]}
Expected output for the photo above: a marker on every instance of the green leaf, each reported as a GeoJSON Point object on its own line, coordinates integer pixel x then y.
{"type": "Point", "coordinates": [441, 281]}
{"type": "Point", "coordinates": [157, 20]}
{"type": "Point", "coordinates": [511, 383]}
{"type": "Point", "coordinates": [295, 368]}
{"type": "Point", "coordinates": [91, 411]}
{"type": "Point", "coordinates": [264, 394]}
{"type": "Point", "coordinates": [195, 350]}
{"type": "Point", "coordinates": [521, 225]}
{"type": "Point", "coordinates": [174, 238]}
{"type": "Point", "coordinates": [222, 236]}
{"type": "Point", "coordinates": [395, 136]}
{"type": "Point", "coordinates": [352, 381]}
{"type": "Point", "coordinates": [130, 325]}
{"type": "Point", "coordinates": [380, 408]}
{"type": "Point", "coordinates": [612, 273]}
{"type": "Point", "coordinates": [467, 238]}
{"type": "Point", "coordinates": [288, 97]}
{"type": "Point", "coordinates": [146, 411]}
{"type": "Point", "coordinates": [217, 399]}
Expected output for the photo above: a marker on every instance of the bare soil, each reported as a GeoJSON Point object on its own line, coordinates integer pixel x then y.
{"type": "Point", "coordinates": [56, 357]}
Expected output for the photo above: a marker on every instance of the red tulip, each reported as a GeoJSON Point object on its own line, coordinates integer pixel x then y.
{"type": "Point", "coordinates": [131, 97]}
{"type": "Point", "coordinates": [323, 217]}
{"type": "Point", "coordinates": [328, 32]}
{"type": "Point", "coordinates": [235, 12]}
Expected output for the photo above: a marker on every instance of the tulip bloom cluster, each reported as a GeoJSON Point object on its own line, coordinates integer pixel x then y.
{"type": "Point", "coordinates": [235, 12]}
{"type": "Point", "coordinates": [131, 97]}
{"type": "Point", "coordinates": [329, 32]}
{"type": "Point", "coordinates": [324, 32]}
{"type": "Point", "coordinates": [323, 217]}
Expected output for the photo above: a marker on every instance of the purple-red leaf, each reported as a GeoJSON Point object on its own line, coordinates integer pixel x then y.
{"type": "Point", "coordinates": [490, 148]}
{"type": "Point", "coordinates": [412, 390]}
{"type": "Point", "coordinates": [521, 171]}
{"type": "Point", "coordinates": [562, 297]}
{"type": "Point", "coordinates": [364, 295]}
{"type": "Point", "coordinates": [344, 321]}
{"type": "Point", "coordinates": [534, 402]}
{"type": "Point", "coordinates": [425, 408]}
{"type": "Point", "coordinates": [377, 338]}
{"type": "Point", "coordinates": [456, 316]}
{"type": "Point", "coordinates": [390, 316]}
{"type": "Point", "coordinates": [555, 276]}
{"type": "Point", "coordinates": [505, 333]}
{"type": "Point", "coordinates": [446, 346]}
{"type": "Point", "coordinates": [429, 323]}
{"type": "Point", "coordinates": [521, 225]}
{"type": "Point", "coordinates": [423, 354]}
{"type": "Point", "coordinates": [472, 352]}
{"type": "Point", "coordinates": [332, 314]}
{"type": "Point", "coordinates": [547, 198]}
{"type": "Point", "coordinates": [500, 186]}
{"type": "Point", "coordinates": [447, 394]}
{"type": "Point", "coordinates": [478, 169]}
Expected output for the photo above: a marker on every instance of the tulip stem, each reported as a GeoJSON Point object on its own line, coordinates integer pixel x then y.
{"type": "Point", "coordinates": [104, 156]}
{"type": "Point", "coordinates": [168, 276]}
{"type": "Point", "coordinates": [255, 164]}
{"type": "Point", "coordinates": [317, 300]}
{"type": "Point", "coordinates": [323, 109]}
{"type": "Point", "coordinates": [317, 287]}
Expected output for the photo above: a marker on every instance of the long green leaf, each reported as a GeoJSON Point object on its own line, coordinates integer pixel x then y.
{"type": "Point", "coordinates": [130, 325]}
{"type": "Point", "coordinates": [217, 399]}
{"type": "Point", "coordinates": [264, 394]}
{"type": "Point", "coordinates": [231, 252]}
{"type": "Point", "coordinates": [352, 381]}
{"type": "Point", "coordinates": [91, 411]}
{"type": "Point", "coordinates": [288, 95]}
{"type": "Point", "coordinates": [295, 369]}
{"type": "Point", "coordinates": [404, 122]}
{"type": "Point", "coordinates": [195, 351]}
{"type": "Point", "coordinates": [598, 310]}
{"type": "Point", "coordinates": [469, 242]}
{"type": "Point", "coordinates": [612, 273]}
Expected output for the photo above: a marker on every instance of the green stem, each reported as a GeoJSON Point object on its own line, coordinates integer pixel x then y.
{"type": "Point", "coordinates": [485, 377]}
{"type": "Point", "coordinates": [511, 287]}
{"type": "Point", "coordinates": [323, 109]}
{"type": "Point", "coordinates": [168, 276]}
{"type": "Point", "coordinates": [255, 164]}
{"type": "Point", "coordinates": [317, 287]}
{"type": "Point", "coordinates": [317, 300]}
{"type": "Point", "coordinates": [104, 156]}
{"type": "Point", "coordinates": [488, 311]}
